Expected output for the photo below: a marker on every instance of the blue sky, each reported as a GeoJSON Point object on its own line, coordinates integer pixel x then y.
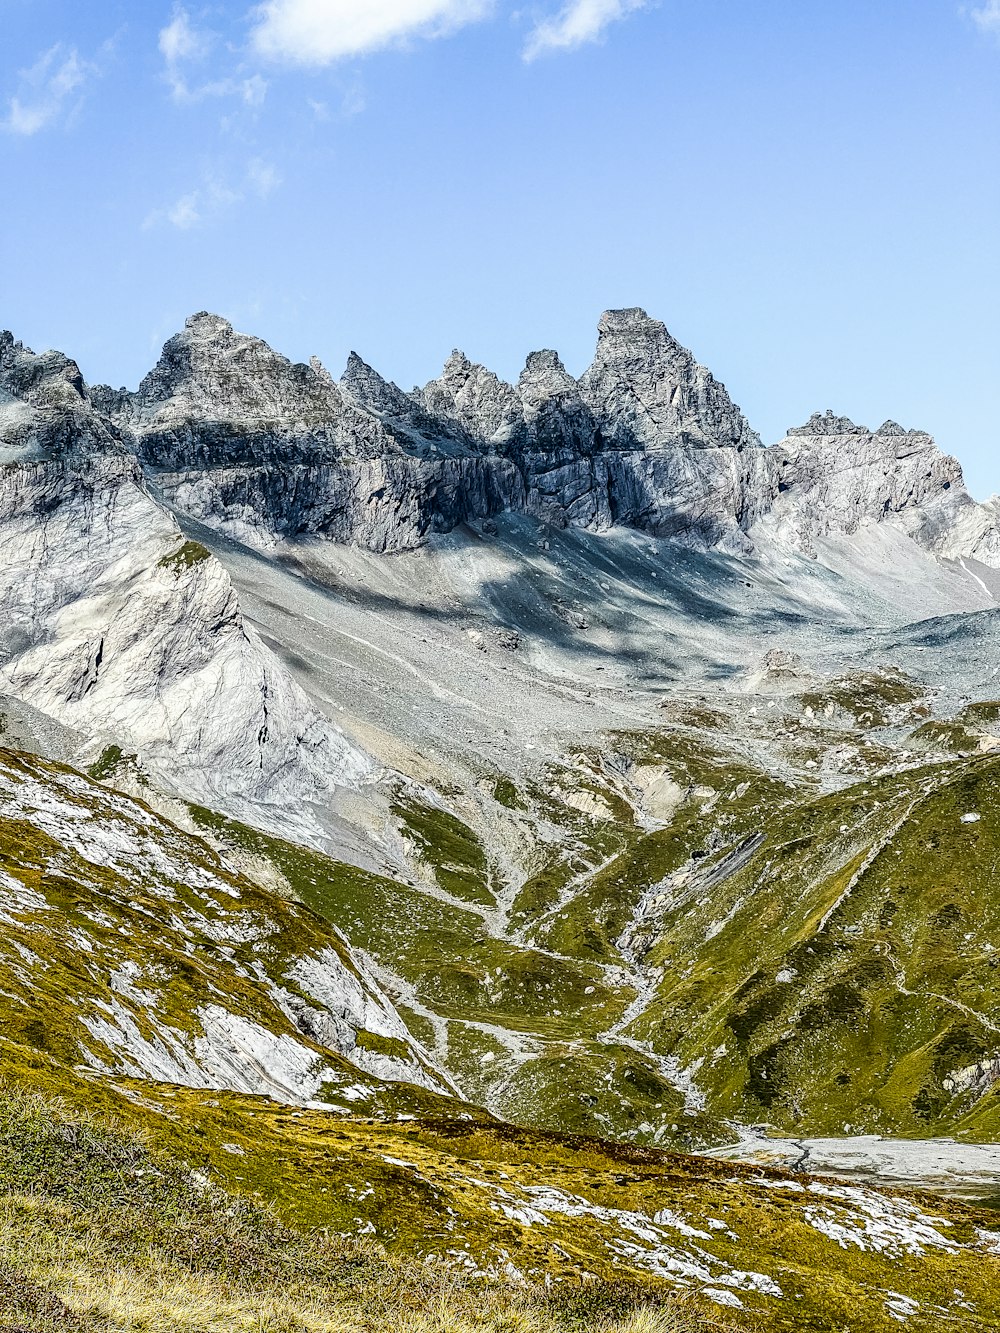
{"type": "Point", "coordinates": [807, 193]}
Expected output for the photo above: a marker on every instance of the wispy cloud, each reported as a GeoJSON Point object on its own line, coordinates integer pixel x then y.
{"type": "Point", "coordinates": [582, 21]}
{"type": "Point", "coordinates": [987, 17]}
{"type": "Point", "coordinates": [318, 32]}
{"type": "Point", "coordinates": [215, 197]}
{"type": "Point", "coordinates": [50, 91]}
{"type": "Point", "coordinates": [262, 179]}
{"type": "Point", "coordinates": [186, 51]}
{"type": "Point", "coordinates": [181, 41]}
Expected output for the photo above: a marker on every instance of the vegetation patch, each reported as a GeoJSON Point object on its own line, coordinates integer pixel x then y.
{"type": "Point", "coordinates": [186, 557]}
{"type": "Point", "coordinates": [845, 979]}
{"type": "Point", "coordinates": [947, 737]}
{"type": "Point", "coordinates": [450, 848]}
{"type": "Point", "coordinates": [871, 698]}
{"type": "Point", "coordinates": [104, 768]}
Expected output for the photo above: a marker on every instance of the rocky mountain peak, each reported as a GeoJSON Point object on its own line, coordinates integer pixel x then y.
{"type": "Point", "coordinates": [475, 399]}
{"type": "Point", "coordinates": [631, 322]}
{"type": "Point", "coordinates": [370, 391]}
{"type": "Point", "coordinates": [633, 340]}
{"type": "Point", "coordinates": [827, 423]}
{"type": "Point", "coordinates": [46, 380]}
{"type": "Point", "coordinates": [555, 414]}
{"type": "Point", "coordinates": [211, 372]}
{"type": "Point", "coordinates": [458, 366]}
{"type": "Point", "coordinates": [315, 364]}
{"type": "Point", "coordinates": [891, 439]}
{"type": "Point", "coordinates": [368, 388]}
{"type": "Point", "coordinates": [834, 477]}
{"type": "Point", "coordinates": [544, 376]}
{"type": "Point", "coordinates": [46, 410]}
{"type": "Point", "coordinates": [205, 324]}
{"type": "Point", "coordinates": [651, 393]}
{"type": "Point", "coordinates": [543, 363]}
{"type": "Point", "coordinates": [646, 438]}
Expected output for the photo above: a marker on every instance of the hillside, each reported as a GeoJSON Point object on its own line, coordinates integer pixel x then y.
{"type": "Point", "coordinates": [96, 951]}
{"type": "Point", "coordinates": [427, 815]}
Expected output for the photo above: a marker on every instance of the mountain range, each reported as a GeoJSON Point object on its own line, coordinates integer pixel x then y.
{"type": "Point", "coordinates": [551, 754]}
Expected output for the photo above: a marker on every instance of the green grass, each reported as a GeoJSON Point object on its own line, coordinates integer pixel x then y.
{"type": "Point", "coordinates": [449, 848]}
{"type": "Point", "coordinates": [197, 1212]}
{"type": "Point", "coordinates": [99, 1231]}
{"type": "Point", "coordinates": [186, 557]}
{"type": "Point", "coordinates": [104, 767]}
{"type": "Point", "coordinates": [155, 934]}
{"type": "Point", "coordinates": [467, 977]}
{"type": "Point", "coordinates": [985, 713]}
{"type": "Point", "coordinates": [737, 795]}
{"type": "Point", "coordinates": [855, 965]}
{"type": "Point", "coordinates": [949, 737]}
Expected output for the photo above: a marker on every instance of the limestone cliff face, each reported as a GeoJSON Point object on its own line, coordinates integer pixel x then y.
{"type": "Point", "coordinates": [244, 440]}
{"type": "Point", "coordinates": [115, 626]}
{"type": "Point", "coordinates": [832, 477]}
{"type": "Point", "coordinates": [690, 466]}
{"type": "Point", "coordinates": [241, 438]}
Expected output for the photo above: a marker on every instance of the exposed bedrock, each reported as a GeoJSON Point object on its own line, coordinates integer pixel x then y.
{"type": "Point", "coordinates": [241, 438]}
{"type": "Point", "coordinates": [116, 627]}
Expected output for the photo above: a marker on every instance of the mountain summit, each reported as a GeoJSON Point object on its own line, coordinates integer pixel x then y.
{"type": "Point", "coordinates": [420, 809]}
{"type": "Point", "coordinates": [242, 438]}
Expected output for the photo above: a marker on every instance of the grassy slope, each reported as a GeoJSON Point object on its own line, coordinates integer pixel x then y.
{"type": "Point", "coordinates": [99, 1234]}
{"type": "Point", "coordinates": [448, 964]}
{"type": "Point", "coordinates": [855, 976]}
{"type": "Point", "coordinates": [480, 1197]}
{"type": "Point", "coordinates": [888, 999]}
{"type": "Point", "coordinates": [94, 1218]}
{"type": "Point", "coordinates": [107, 907]}
{"type": "Point", "coordinates": [119, 932]}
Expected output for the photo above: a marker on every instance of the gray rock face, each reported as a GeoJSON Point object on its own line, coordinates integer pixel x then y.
{"type": "Point", "coordinates": [211, 373]}
{"type": "Point", "coordinates": [646, 388]}
{"type": "Point", "coordinates": [694, 468]}
{"type": "Point", "coordinates": [50, 380]}
{"type": "Point", "coordinates": [45, 410]}
{"type": "Point", "coordinates": [116, 628]}
{"type": "Point", "coordinates": [241, 438]}
{"type": "Point", "coordinates": [832, 477]}
{"type": "Point", "coordinates": [472, 398]}
{"type": "Point", "coordinates": [826, 423]}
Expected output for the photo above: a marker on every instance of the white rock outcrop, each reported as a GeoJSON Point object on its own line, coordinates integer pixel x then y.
{"type": "Point", "coordinates": [117, 627]}
{"type": "Point", "coordinates": [831, 477]}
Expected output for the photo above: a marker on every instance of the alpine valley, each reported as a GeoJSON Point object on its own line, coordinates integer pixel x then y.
{"type": "Point", "coordinates": [536, 831]}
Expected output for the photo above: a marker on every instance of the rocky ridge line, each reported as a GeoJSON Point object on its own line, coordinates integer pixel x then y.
{"type": "Point", "coordinates": [240, 438]}
{"type": "Point", "coordinates": [117, 628]}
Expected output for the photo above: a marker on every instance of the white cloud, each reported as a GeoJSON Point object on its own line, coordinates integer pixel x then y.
{"type": "Point", "coordinates": [579, 22]}
{"type": "Point", "coordinates": [987, 16]}
{"type": "Point", "coordinates": [351, 102]}
{"type": "Point", "coordinates": [215, 197]}
{"type": "Point", "coordinates": [318, 32]}
{"type": "Point", "coordinates": [50, 90]}
{"type": "Point", "coordinates": [262, 178]}
{"type": "Point", "coordinates": [186, 212]}
{"type": "Point", "coordinates": [181, 41]}
{"type": "Point", "coordinates": [184, 46]}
